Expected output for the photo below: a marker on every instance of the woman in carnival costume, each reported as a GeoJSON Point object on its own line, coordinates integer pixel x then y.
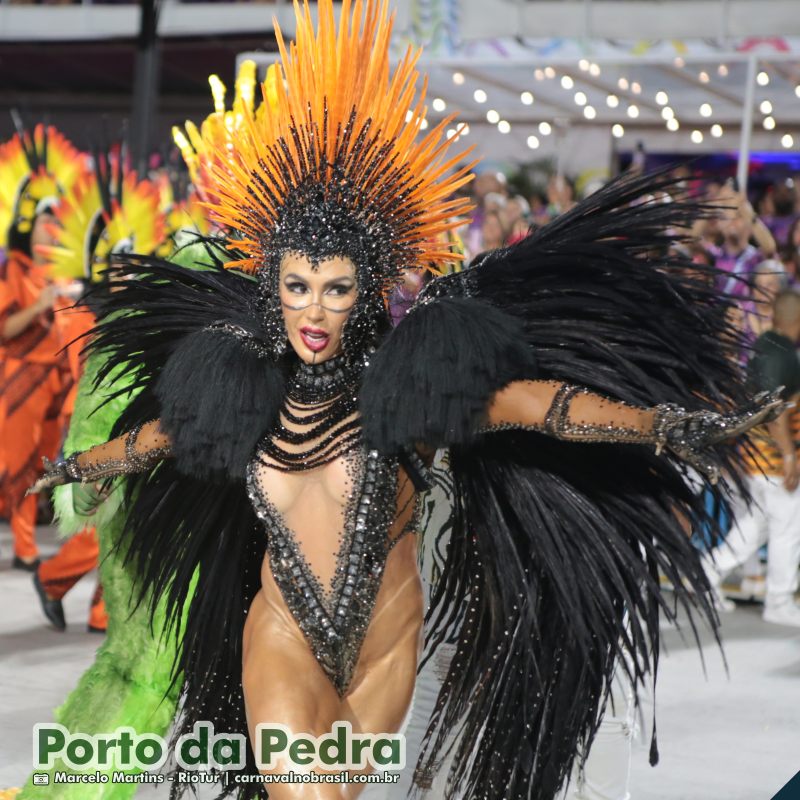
{"type": "Point", "coordinates": [36, 168]}
{"type": "Point", "coordinates": [278, 446]}
{"type": "Point", "coordinates": [108, 211]}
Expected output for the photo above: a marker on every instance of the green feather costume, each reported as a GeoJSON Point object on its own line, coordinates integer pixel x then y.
{"type": "Point", "coordinates": [129, 683]}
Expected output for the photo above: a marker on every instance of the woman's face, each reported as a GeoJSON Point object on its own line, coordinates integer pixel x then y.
{"type": "Point", "coordinates": [316, 304]}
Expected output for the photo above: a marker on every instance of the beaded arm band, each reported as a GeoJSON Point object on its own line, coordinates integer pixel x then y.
{"type": "Point", "coordinates": [102, 462]}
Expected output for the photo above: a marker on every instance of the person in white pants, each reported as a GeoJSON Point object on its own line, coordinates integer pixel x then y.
{"type": "Point", "coordinates": [774, 515]}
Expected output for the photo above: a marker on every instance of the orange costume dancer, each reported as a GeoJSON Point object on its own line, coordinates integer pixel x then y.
{"type": "Point", "coordinates": [35, 377]}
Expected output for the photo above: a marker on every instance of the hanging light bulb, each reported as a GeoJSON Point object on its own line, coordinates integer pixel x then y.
{"type": "Point", "coordinates": [439, 104]}
{"type": "Point", "coordinates": [458, 78]}
{"type": "Point", "coordinates": [538, 74]}
{"type": "Point", "coordinates": [526, 98]}
{"type": "Point", "coordinates": [567, 82]}
{"type": "Point", "coordinates": [617, 131]}
{"type": "Point", "coordinates": [533, 142]}
{"type": "Point", "coordinates": [612, 101]}
{"type": "Point", "coordinates": [636, 87]}
{"type": "Point", "coordinates": [633, 111]}
{"type": "Point", "coordinates": [722, 70]}
{"type": "Point", "coordinates": [479, 96]}
{"type": "Point", "coordinates": [549, 72]}
{"type": "Point", "coordinates": [765, 107]}
{"type": "Point", "coordinates": [716, 130]}
{"type": "Point", "coordinates": [580, 99]}
{"type": "Point", "coordinates": [583, 65]}
{"type": "Point", "coordinates": [594, 70]}
{"type": "Point", "coordinates": [503, 126]}
{"type": "Point", "coordinates": [769, 123]}
{"type": "Point", "coordinates": [697, 136]}
{"type": "Point", "coordinates": [787, 140]}
{"type": "Point", "coordinates": [762, 78]}
{"type": "Point", "coordinates": [673, 124]}
{"type": "Point", "coordinates": [545, 128]}
{"type": "Point", "coordinates": [623, 84]}
{"type": "Point", "coordinates": [706, 110]}
{"type": "Point", "coordinates": [704, 77]}
{"type": "Point", "coordinates": [492, 116]}
{"type": "Point", "coordinates": [667, 113]}
{"type": "Point", "coordinates": [662, 98]}
{"type": "Point", "coordinates": [589, 112]}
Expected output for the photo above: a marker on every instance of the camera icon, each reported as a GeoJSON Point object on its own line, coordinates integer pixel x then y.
{"type": "Point", "coordinates": [41, 779]}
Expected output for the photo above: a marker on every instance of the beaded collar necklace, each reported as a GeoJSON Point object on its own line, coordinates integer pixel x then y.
{"type": "Point", "coordinates": [318, 420]}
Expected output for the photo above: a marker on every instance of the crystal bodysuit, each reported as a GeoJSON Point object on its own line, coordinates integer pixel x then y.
{"type": "Point", "coordinates": [329, 571]}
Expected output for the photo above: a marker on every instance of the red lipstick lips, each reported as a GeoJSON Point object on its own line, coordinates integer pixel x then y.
{"type": "Point", "coordinates": [315, 339]}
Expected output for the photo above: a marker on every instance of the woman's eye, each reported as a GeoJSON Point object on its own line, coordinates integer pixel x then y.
{"type": "Point", "coordinates": [296, 288]}
{"type": "Point", "coordinates": [339, 290]}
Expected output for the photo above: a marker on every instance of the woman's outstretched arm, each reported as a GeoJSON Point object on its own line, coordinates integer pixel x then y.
{"type": "Point", "coordinates": [135, 451]}
{"type": "Point", "coordinates": [575, 413]}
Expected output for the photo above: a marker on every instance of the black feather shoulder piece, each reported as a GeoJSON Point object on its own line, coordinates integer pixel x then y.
{"type": "Point", "coordinates": [433, 377]}
{"type": "Point", "coordinates": [189, 341]}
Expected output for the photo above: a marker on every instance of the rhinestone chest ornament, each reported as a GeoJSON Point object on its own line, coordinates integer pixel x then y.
{"type": "Point", "coordinates": [333, 622]}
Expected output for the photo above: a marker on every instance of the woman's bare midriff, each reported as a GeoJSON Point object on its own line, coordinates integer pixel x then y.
{"type": "Point", "coordinates": [283, 683]}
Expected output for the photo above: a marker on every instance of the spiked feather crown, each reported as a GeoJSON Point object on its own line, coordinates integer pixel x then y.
{"type": "Point", "coordinates": [33, 168]}
{"type": "Point", "coordinates": [334, 162]}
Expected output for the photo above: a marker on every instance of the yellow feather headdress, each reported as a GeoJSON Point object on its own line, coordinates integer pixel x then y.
{"type": "Point", "coordinates": [334, 162]}
{"type": "Point", "coordinates": [220, 133]}
{"type": "Point", "coordinates": [34, 168]}
{"type": "Point", "coordinates": [108, 210]}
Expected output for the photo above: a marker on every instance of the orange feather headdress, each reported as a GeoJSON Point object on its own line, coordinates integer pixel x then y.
{"type": "Point", "coordinates": [34, 167]}
{"type": "Point", "coordinates": [334, 161]}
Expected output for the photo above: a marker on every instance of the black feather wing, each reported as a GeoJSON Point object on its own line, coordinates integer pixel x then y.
{"type": "Point", "coordinates": [558, 545]}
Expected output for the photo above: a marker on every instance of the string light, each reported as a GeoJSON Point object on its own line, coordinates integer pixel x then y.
{"type": "Point", "coordinates": [583, 65]}
{"type": "Point", "coordinates": [769, 123]}
{"type": "Point", "coordinates": [762, 78]}
{"type": "Point", "coordinates": [612, 101]}
{"type": "Point", "coordinates": [538, 74]}
{"type": "Point", "coordinates": [549, 72]}
{"type": "Point", "coordinates": [580, 99]}
{"type": "Point", "coordinates": [594, 70]}
{"type": "Point", "coordinates": [797, 90]}
{"type": "Point", "coordinates": [492, 116]}
{"type": "Point", "coordinates": [673, 124]}
{"type": "Point", "coordinates": [479, 95]}
{"type": "Point", "coordinates": [526, 98]}
{"type": "Point", "coordinates": [722, 71]}
{"type": "Point", "coordinates": [766, 107]}
{"type": "Point", "coordinates": [623, 84]}
{"type": "Point", "coordinates": [633, 111]}
{"type": "Point", "coordinates": [567, 82]}
{"type": "Point", "coordinates": [716, 130]}
{"type": "Point", "coordinates": [423, 125]}
{"type": "Point", "coordinates": [679, 62]}
{"type": "Point", "coordinates": [589, 112]}
{"type": "Point", "coordinates": [545, 128]}
{"type": "Point", "coordinates": [451, 132]}
{"type": "Point", "coordinates": [667, 113]}
{"type": "Point", "coordinates": [465, 129]}
{"type": "Point", "coordinates": [617, 131]}
{"type": "Point", "coordinates": [706, 110]}
{"type": "Point", "coordinates": [439, 104]}
{"type": "Point", "coordinates": [697, 136]}
{"type": "Point", "coordinates": [787, 140]}
{"type": "Point", "coordinates": [458, 78]}
{"type": "Point", "coordinates": [703, 76]}
{"type": "Point", "coordinates": [636, 88]}
{"type": "Point", "coordinates": [533, 142]}
{"type": "Point", "coordinates": [662, 98]}
{"type": "Point", "coordinates": [503, 126]}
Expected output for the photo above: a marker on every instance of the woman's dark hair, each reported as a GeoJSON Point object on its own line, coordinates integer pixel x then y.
{"type": "Point", "coordinates": [19, 242]}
